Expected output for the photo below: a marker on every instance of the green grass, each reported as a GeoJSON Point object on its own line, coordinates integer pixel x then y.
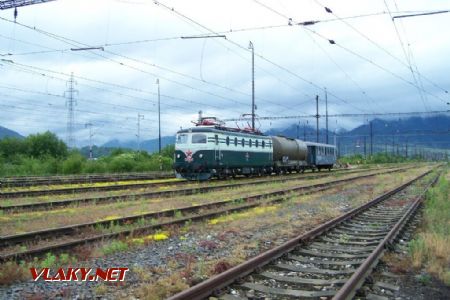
{"type": "Point", "coordinates": [114, 246]}
{"type": "Point", "coordinates": [431, 248]}
{"type": "Point", "coordinates": [378, 158]}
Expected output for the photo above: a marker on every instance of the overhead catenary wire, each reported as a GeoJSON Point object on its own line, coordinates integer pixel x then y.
{"type": "Point", "coordinates": [362, 57]}
{"type": "Point", "coordinates": [76, 43]}
{"type": "Point", "coordinates": [359, 32]}
{"type": "Point", "coordinates": [408, 59]}
{"type": "Point", "coordinates": [371, 100]}
{"type": "Point", "coordinates": [230, 31]}
{"type": "Point", "coordinates": [96, 102]}
{"type": "Point", "coordinates": [319, 87]}
{"type": "Point", "coordinates": [345, 115]}
{"type": "Point", "coordinates": [54, 107]}
{"type": "Point", "coordinates": [113, 84]}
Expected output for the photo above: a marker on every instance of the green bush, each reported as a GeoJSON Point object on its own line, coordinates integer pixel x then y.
{"type": "Point", "coordinates": [45, 154]}
{"type": "Point", "coordinates": [122, 163]}
{"type": "Point", "coordinates": [95, 166]}
{"type": "Point", "coordinates": [73, 164]}
{"type": "Point", "coordinates": [45, 144]}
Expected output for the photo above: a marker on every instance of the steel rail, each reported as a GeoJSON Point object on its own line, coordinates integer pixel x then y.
{"type": "Point", "coordinates": [14, 239]}
{"type": "Point", "coordinates": [112, 187]}
{"type": "Point", "coordinates": [72, 190]}
{"type": "Point", "coordinates": [26, 237]}
{"type": "Point", "coordinates": [89, 178]}
{"type": "Point", "coordinates": [349, 289]}
{"type": "Point", "coordinates": [153, 194]}
{"type": "Point", "coordinates": [213, 285]}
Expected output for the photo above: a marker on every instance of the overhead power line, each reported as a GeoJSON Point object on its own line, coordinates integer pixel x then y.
{"type": "Point", "coordinates": [90, 49]}
{"type": "Point", "coordinates": [409, 59]}
{"type": "Point", "coordinates": [244, 48]}
{"type": "Point", "coordinates": [17, 3]}
{"type": "Point", "coordinates": [362, 57]}
{"type": "Point", "coordinates": [421, 14]}
{"type": "Point", "coordinates": [115, 85]}
{"type": "Point", "coordinates": [343, 115]}
{"type": "Point", "coordinates": [408, 65]}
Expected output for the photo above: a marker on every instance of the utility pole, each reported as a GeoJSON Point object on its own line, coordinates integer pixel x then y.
{"type": "Point", "coordinates": [304, 131]}
{"type": "Point", "coordinates": [298, 128]}
{"type": "Point", "coordinates": [159, 118]}
{"type": "Point", "coordinates": [365, 148]}
{"type": "Point", "coordinates": [317, 118]}
{"type": "Point", "coordinates": [371, 138]}
{"type": "Point", "coordinates": [70, 103]}
{"type": "Point", "coordinates": [326, 114]}
{"type": "Point", "coordinates": [90, 138]}
{"type": "Point", "coordinates": [250, 46]}
{"type": "Point", "coordinates": [406, 148]}
{"type": "Point", "coordinates": [140, 117]}
{"type": "Point", "coordinates": [393, 144]}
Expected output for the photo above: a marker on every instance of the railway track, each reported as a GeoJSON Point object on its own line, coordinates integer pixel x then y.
{"type": "Point", "coordinates": [330, 261]}
{"type": "Point", "coordinates": [35, 206]}
{"type": "Point", "coordinates": [80, 234]}
{"type": "Point", "coordinates": [73, 190]}
{"type": "Point", "coordinates": [89, 178]}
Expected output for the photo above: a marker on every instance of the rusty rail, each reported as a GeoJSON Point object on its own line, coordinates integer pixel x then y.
{"type": "Point", "coordinates": [213, 285]}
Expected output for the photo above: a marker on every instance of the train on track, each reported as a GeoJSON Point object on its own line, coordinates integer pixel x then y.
{"type": "Point", "coordinates": [212, 150]}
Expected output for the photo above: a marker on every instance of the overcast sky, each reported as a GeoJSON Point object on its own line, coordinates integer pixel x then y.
{"type": "Point", "coordinates": [367, 70]}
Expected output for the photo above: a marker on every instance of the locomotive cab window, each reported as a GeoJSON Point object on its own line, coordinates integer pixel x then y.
{"type": "Point", "coordinates": [198, 138]}
{"type": "Point", "coordinates": [182, 139]}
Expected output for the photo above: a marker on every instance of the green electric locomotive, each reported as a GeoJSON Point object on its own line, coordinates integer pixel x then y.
{"type": "Point", "coordinates": [212, 150]}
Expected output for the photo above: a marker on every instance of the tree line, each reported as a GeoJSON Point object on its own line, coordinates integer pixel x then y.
{"type": "Point", "coordinates": [46, 154]}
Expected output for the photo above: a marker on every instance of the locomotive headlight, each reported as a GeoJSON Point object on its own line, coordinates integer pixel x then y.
{"type": "Point", "coordinates": [178, 155]}
{"type": "Point", "coordinates": [200, 155]}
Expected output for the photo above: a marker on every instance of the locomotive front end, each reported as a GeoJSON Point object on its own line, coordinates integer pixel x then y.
{"type": "Point", "coordinates": [191, 155]}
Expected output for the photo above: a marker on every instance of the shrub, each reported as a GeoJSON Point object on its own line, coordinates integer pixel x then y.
{"type": "Point", "coordinates": [95, 166]}
{"type": "Point", "coordinates": [122, 163]}
{"type": "Point", "coordinates": [73, 164]}
{"type": "Point", "coordinates": [12, 272]}
{"type": "Point", "coordinates": [114, 246]}
{"type": "Point", "coordinates": [45, 144]}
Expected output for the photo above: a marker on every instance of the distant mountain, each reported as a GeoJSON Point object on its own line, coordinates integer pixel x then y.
{"type": "Point", "coordinates": [303, 132]}
{"type": "Point", "coordinates": [5, 132]}
{"type": "Point", "coordinates": [148, 145]}
{"type": "Point", "coordinates": [403, 135]}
